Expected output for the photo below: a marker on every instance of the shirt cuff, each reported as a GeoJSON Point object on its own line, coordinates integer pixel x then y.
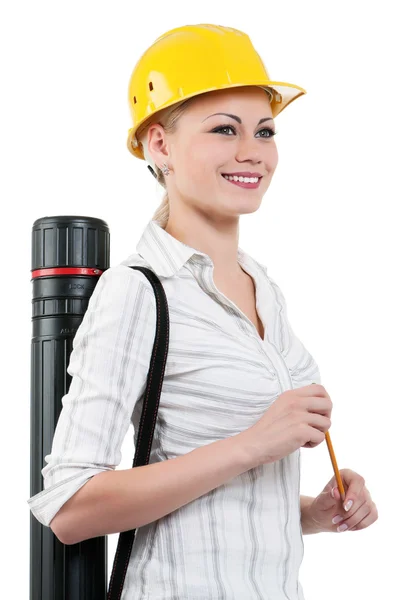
{"type": "Point", "coordinates": [47, 503]}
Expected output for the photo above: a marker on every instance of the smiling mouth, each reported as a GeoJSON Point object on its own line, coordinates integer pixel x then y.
{"type": "Point", "coordinates": [243, 182]}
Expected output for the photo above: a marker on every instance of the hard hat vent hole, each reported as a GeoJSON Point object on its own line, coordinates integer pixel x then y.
{"type": "Point", "coordinates": [151, 86]}
{"type": "Point", "coordinates": [135, 100]}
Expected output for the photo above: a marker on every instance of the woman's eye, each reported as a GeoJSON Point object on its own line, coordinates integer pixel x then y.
{"type": "Point", "coordinates": [270, 132]}
{"type": "Point", "coordinates": [224, 128]}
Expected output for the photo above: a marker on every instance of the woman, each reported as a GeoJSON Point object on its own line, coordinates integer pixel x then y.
{"type": "Point", "coordinates": [218, 511]}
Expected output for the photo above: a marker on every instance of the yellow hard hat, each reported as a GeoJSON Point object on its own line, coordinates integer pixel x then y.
{"type": "Point", "coordinates": [194, 59]}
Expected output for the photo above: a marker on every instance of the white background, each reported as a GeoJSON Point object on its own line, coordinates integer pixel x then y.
{"type": "Point", "coordinates": [326, 228]}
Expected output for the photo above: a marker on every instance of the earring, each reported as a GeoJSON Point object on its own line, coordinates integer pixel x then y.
{"type": "Point", "coordinates": [165, 169]}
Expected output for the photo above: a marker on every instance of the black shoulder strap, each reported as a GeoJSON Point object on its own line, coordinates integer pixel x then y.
{"type": "Point", "coordinates": [147, 422]}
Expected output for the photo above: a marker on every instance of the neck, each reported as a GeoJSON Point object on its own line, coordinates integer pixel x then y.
{"type": "Point", "coordinates": [219, 240]}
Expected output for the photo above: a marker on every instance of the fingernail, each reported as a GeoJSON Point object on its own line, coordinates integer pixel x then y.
{"type": "Point", "coordinates": [337, 519]}
{"type": "Point", "coordinates": [348, 505]}
{"type": "Point", "coordinates": [342, 527]}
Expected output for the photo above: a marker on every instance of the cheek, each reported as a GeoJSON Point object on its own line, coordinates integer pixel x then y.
{"type": "Point", "coordinates": [209, 151]}
{"type": "Point", "coordinates": [273, 159]}
{"type": "Point", "coordinates": [202, 164]}
{"type": "Point", "coordinates": [199, 178]}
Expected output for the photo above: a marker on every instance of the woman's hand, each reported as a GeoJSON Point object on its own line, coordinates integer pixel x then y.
{"type": "Point", "coordinates": [328, 506]}
{"type": "Point", "coordinates": [297, 418]}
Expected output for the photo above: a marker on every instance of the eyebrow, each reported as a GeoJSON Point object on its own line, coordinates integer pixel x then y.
{"type": "Point", "coordinates": [237, 118]}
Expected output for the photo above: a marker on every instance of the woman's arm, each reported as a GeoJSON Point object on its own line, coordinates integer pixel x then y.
{"type": "Point", "coordinates": [109, 367]}
{"type": "Point", "coordinates": [121, 500]}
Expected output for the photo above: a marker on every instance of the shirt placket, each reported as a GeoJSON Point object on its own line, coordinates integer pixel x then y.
{"type": "Point", "coordinates": [267, 310]}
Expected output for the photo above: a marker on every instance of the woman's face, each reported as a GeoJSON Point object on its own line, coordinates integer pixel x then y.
{"type": "Point", "coordinates": [205, 146]}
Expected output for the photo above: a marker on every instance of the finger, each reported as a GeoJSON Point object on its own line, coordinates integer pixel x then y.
{"type": "Point", "coordinates": [368, 520]}
{"type": "Point", "coordinates": [355, 491]}
{"type": "Point", "coordinates": [355, 518]}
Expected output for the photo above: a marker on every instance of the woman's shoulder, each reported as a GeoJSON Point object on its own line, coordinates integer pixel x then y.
{"type": "Point", "coordinates": [119, 282]}
{"type": "Point", "coordinates": [123, 273]}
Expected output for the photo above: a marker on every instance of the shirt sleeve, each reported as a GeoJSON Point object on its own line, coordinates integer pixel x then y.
{"type": "Point", "coordinates": [109, 364]}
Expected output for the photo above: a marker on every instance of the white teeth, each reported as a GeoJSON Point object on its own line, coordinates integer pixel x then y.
{"type": "Point", "coordinates": [241, 179]}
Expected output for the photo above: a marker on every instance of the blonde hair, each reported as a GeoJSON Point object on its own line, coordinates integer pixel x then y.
{"type": "Point", "coordinates": [168, 118]}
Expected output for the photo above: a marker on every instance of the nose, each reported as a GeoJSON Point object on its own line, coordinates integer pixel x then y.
{"type": "Point", "coordinates": [249, 150]}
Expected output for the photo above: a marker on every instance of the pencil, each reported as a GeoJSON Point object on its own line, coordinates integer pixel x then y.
{"type": "Point", "coordinates": [334, 463]}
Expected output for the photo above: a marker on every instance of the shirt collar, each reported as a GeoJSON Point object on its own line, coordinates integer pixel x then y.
{"type": "Point", "coordinates": [166, 255]}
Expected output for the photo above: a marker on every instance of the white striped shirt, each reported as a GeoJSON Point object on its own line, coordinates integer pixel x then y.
{"type": "Point", "coordinates": [243, 540]}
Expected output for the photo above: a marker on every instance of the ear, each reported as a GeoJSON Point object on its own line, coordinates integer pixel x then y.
{"type": "Point", "coordinates": [157, 144]}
